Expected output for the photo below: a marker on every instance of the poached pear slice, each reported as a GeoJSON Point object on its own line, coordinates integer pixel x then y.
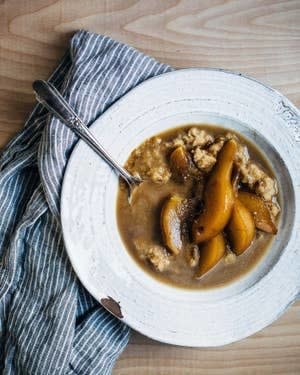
{"type": "Point", "coordinates": [259, 210]}
{"type": "Point", "coordinates": [241, 228]}
{"type": "Point", "coordinates": [180, 162]}
{"type": "Point", "coordinates": [170, 223]}
{"type": "Point", "coordinates": [219, 197]}
{"type": "Point", "coordinates": [211, 253]}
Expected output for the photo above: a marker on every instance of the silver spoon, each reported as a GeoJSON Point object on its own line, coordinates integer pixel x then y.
{"type": "Point", "coordinates": [49, 97]}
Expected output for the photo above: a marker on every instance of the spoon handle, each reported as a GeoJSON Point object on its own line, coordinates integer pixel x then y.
{"type": "Point", "coordinates": [50, 97]}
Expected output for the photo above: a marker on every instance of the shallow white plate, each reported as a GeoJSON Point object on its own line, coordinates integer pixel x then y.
{"type": "Point", "coordinates": [88, 209]}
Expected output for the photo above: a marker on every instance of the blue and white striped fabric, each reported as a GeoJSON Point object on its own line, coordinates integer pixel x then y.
{"type": "Point", "coordinates": [49, 324]}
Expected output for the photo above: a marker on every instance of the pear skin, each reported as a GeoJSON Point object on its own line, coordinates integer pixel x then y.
{"type": "Point", "coordinates": [241, 228]}
{"type": "Point", "coordinates": [210, 254]}
{"type": "Point", "coordinates": [259, 210]}
{"type": "Point", "coordinates": [219, 197]}
{"type": "Point", "coordinates": [180, 162]}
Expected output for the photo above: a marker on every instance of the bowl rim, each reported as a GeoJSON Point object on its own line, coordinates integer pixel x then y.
{"type": "Point", "coordinates": [286, 101]}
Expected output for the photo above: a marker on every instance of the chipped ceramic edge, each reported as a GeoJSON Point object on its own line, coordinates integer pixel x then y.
{"type": "Point", "coordinates": [139, 295]}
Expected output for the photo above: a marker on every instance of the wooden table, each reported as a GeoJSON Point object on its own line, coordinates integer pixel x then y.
{"type": "Point", "coordinates": [259, 38]}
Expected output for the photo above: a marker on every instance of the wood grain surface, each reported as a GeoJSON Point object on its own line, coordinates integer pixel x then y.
{"type": "Point", "coordinates": [258, 37]}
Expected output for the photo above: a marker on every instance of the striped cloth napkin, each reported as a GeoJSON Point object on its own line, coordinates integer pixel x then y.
{"type": "Point", "coordinates": [49, 324]}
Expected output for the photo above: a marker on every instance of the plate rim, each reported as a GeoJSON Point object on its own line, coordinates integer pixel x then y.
{"type": "Point", "coordinates": [173, 72]}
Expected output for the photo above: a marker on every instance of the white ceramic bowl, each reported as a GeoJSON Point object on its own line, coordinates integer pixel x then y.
{"type": "Point", "coordinates": [88, 209]}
